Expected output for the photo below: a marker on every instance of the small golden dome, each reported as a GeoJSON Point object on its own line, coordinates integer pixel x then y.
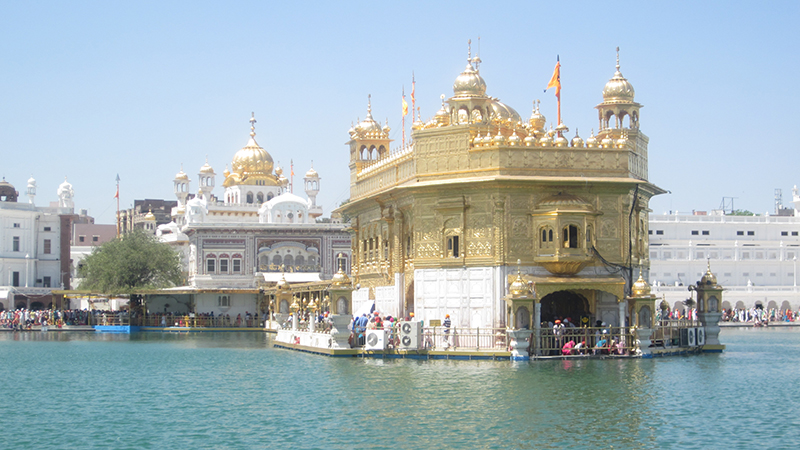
{"type": "Point", "coordinates": [607, 142]}
{"type": "Point", "coordinates": [709, 279]}
{"type": "Point", "coordinates": [618, 89]}
{"type": "Point", "coordinates": [546, 140]}
{"type": "Point", "coordinates": [150, 217]}
{"type": "Point", "coordinates": [340, 279]}
{"type": "Point", "coordinates": [519, 288]}
{"type": "Point", "coordinates": [640, 288]}
{"type": "Point", "coordinates": [442, 117]}
{"type": "Point", "coordinates": [487, 140]}
{"type": "Point", "coordinates": [514, 140]}
{"type": "Point", "coordinates": [206, 169]}
{"type": "Point", "coordinates": [181, 176]}
{"type": "Point", "coordinates": [469, 83]}
{"type": "Point", "coordinates": [560, 141]}
{"type": "Point", "coordinates": [622, 142]}
{"type": "Point", "coordinates": [499, 139]}
{"type": "Point", "coordinates": [282, 284]}
{"type": "Point", "coordinates": [312, 173]}
{"type": "Point", "coordinates": [577, 141]}
{"type": "Point", "coordinates": [591, 141]}
{"type": "Point", "coordinates": [278, 170]}
{"type": "Point", "coordinates": [530, 140]}
{"type": "Point", "coordinates": [478, 140]}
{"type": "Point", "coordinates": [537, 120]}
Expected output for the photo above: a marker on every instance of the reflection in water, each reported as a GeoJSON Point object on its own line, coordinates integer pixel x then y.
{"type": "Point", "coordinates": [232, 390]}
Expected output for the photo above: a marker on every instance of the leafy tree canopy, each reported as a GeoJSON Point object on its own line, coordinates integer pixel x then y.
{"type": "Point", "coordinates": [133, 261]}
{"type": "Point", "coordinates": [741, 212]}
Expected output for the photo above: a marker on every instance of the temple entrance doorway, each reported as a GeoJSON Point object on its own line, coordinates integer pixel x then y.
{"type": "Point", "coordinates": [565, 304]}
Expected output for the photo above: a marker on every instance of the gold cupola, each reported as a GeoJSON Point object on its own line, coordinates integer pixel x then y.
{"type": "Point", "coordinates": [470, 83]}
{"type": "Point", "coordinates": [709, 279]}
{"type": "Point", "coordinates": [618, 88]}
{"type": "Point", "coordinates": [537, 120]}
{"type": "Point", "coordinates": [251, 165]}
{"type": "Point", "coordinates": [640, 287]}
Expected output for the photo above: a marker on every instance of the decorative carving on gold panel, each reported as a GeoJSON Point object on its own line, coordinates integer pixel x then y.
{"type": "Point", "coordinates": [608, 229]}
{"type": "Point", "coordinates": [427, 250]}
{"type": "Point", "coordinates": [609, 204]}
{"type": "Point", "coordinates": [520, 202]}
{"type": "Point", "coordinates": [479, 248]}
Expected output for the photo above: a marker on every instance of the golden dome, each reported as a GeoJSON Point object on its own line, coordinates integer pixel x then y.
{"type": "Point", "coordinates": [469, 83]}
{"type": "Point", "coordinates": [577, 141]}
{"type": "Point", "coordinates": [442, 117]}
{"type": "Point", "coordinates": [514, 140]}
{"type": "Point", "coordinates": [478, 141]}
{"type": "Point", "coordinates": [487, 140]}
{"type": "Point", "coordinates": [181, 175]}
{"type": "Point", "coordinates": [560, 141]}
{"type": "Point", "coordinates": [519, 288]}
{"type": "Point", "coordinates": [282, 284]}
{"type": "Point", "coordinates": [607, 142]}
{"type": "Point", "coordinates": [312, 173]}
{"type": "Point", "coordinates": [709, 279]}
{"type": "Point", "coordinates": [591, 141]}
{"type": "Point", "coordinates": [530, 140]}
{"type": "Point", "coordinates": [368, 125]}
{"type": "Point", "coordinates": [640, 288]}
{"type": "Point", "coordinates": [546, 140]}
{"type": "Point", "coordinates": [340, 279]}
{"type": "Point", "coordinates": [622, 142]}
{"type": "Point", "coordinates": [537, 120]}
{"type": "Point", "coordinates": [499, 139]}
{"type": "Point", "coordinates": [150, 217]}
{"type": "Point", "coordinates": [501, 112]}
{"type": "Point", "coordinates": [206, 169]}
{"type": "Point", "coordinates": [618, 89]}
{"type": "Point", "coordinates": [278, 171]}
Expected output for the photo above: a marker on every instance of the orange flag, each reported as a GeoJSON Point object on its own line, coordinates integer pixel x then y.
{"type": "Point", "coordinates": [555, 81]}
{"type": "Point", "coordinates": [405, 106]}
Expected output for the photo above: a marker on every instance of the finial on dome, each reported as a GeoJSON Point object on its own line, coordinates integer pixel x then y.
{"type": "Point", "coordinates": [369, 104]}
{"type": "Point", "coordinates": [617, 59]}
{"type": "Point", "coordinates": [252, 125]}
{"type": "Point", "coordinates": [469, 50]}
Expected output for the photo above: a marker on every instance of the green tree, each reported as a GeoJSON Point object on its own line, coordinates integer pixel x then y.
{"type": "Point", "coordinates": [133, 261]}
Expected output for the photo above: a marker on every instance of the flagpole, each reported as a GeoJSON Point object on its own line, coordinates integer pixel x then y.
{"type": "Point", "coordinates": [291, 176]}
{"type": "Point", "coordinates": [117, 205]}
{"type": "Point", "coordinates": [558, 90]}
{"type": "Point", "coordinates": [404, 118]}
{"type": "Point", "coordinates": [413, 99]}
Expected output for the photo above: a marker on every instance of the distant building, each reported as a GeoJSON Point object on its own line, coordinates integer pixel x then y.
{"type": "Point", "coordinates": [34, 247]}
{"type": "Point", "coordinates": [135, 218]}
{"type": "Point", "coordinates": [754, 257]}
{"type": "Point", "coordinates": [255, 233]}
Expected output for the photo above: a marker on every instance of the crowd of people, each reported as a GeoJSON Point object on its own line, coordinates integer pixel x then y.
{"type": "Point", "coordinates": [26, 319]}
{"type": "Point", "coordinates": [563, 337]}
{"type": "Point", "coordinates": [759, 316]}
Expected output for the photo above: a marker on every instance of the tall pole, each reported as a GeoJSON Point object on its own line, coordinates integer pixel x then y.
{"type": "Point", "coordinates": [117, 196]}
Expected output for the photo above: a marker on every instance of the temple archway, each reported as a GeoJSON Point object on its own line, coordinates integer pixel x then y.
{"type": "Point", "coordinates": [564, 304]}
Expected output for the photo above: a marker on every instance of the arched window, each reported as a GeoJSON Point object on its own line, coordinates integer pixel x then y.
{"type": "Point", "coordinates": [260, 198]}
{"type": "Point", "coordinates": [288, 260]}
{"type": "Point", "coordinates": [452, 247]}
{"type": "Point", "coordinates": [300, 260]}
{"type": "Point", "coordinates": [249, 197]}
{"type": "Point", "coordinates": [277, 260]}
{"type": "Point", "coordinates": [269, 196]}
{"type": "Point", "coordinates": [570, 237]}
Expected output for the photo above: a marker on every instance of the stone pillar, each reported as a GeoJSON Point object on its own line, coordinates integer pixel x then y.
{"type": "Point", "coordinates": [643, 334]}
{"type": "Point", "coordinates": [339, 333]}
{"type": "Point", "coordinates": [710, 322]}
{"type": "Point", "coordinates": [518, 341]}
{"type": "Point", "coordinates": [537, 328]}
{"type": "Point", "coordinates": [622, 304]}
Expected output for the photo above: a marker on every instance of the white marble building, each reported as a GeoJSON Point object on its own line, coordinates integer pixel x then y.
{"type": "Point", "coordinates": [754, 257]}
{"type": "Point", "coordinates": [34, 246]}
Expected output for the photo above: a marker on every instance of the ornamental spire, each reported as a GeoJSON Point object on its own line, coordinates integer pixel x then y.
{"type": "Point", "coordinates": [252, 124]}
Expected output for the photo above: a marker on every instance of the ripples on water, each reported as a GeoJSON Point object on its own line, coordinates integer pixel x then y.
{"type": "Point", "coordinates": [232, 390]}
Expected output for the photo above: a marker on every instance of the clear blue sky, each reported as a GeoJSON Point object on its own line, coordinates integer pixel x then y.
{"type": "Point", "coordinates": [92, 89]}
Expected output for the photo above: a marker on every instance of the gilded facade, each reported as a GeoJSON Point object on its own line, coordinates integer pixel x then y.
{"type": "Point", "coordinates": [438, 226]}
